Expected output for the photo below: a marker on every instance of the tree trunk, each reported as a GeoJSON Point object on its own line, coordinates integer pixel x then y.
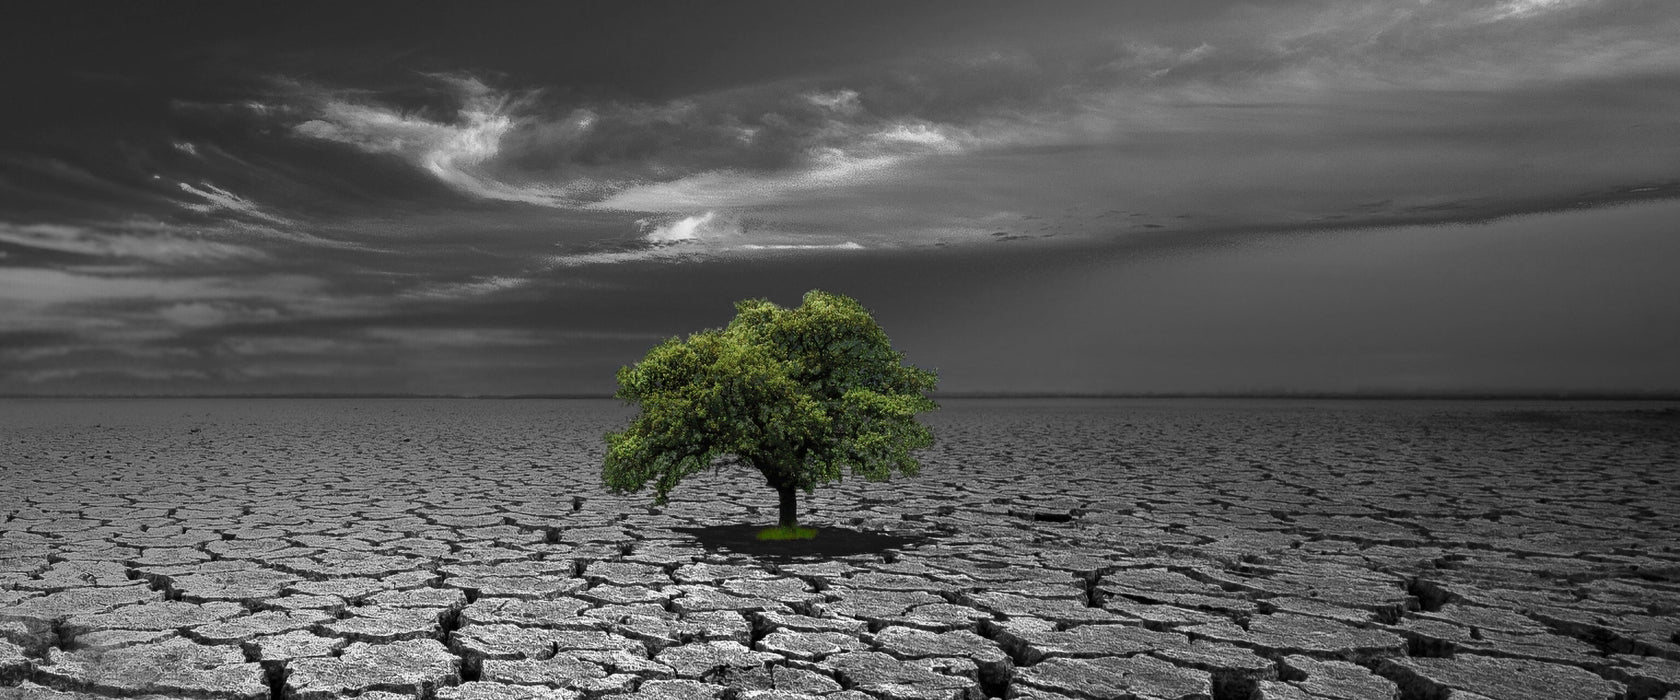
{"type": "Point", "coordinates": [790, 505]}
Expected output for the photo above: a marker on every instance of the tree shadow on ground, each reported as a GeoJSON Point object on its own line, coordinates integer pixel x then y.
{"type": "Point", "coordinates": [831, 541]}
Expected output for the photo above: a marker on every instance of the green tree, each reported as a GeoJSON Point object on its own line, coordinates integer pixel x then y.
{"type": "Point", "coordinates": [799, 394]}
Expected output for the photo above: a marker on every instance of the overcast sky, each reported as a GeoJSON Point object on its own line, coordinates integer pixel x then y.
{"type": "Point", "coordinates": [1176, 196]}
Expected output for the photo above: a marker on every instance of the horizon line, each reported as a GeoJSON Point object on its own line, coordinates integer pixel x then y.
{"type": "Point", "coordinates": [1302, 395]}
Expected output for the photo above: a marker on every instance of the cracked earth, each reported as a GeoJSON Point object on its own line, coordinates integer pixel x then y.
{"type": "Point", "coordinates": [1175, 550]}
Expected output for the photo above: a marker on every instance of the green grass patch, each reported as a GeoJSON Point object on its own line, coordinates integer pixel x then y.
{"type": "Point", "coordinates": [787, 533]}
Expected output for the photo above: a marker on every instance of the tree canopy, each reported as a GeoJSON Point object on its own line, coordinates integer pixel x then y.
{"type": "Point", "coordinates": [803, 395]}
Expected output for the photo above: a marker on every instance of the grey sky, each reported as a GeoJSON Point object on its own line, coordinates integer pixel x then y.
{"type": "Point", "coordinates": [1094, 197]}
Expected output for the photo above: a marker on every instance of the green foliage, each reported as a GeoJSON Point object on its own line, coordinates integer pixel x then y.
{"type": "Point", "coordinates": [803, 395]}
{"type": "Point", "coordinates": [787, 533]}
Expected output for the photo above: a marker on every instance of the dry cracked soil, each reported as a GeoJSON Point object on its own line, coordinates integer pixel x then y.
{"type": "Point", "coordinates": [1168, 549]}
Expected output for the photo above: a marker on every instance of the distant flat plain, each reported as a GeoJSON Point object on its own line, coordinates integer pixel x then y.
{"type": "Point", "coordinates": [1205, 547]}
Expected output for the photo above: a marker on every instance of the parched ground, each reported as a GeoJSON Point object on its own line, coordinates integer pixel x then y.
{"type": "Point", "coordinates": [463, 549]}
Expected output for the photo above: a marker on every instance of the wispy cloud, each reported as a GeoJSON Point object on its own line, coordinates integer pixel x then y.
{"type": "Point", "coordinates": [26, 285]}
{"type": "Point", "coordinates": [134, 242]}
{"type": "Point", "coordinates": [217, 199]}
{"type": "Point", "coordinates": [866, 154]}
{"type": "Point", "coordinates": [716, 151]}
{"type": "Point", "coordinates": [244, 346]}
{"type": "Point", "coordinates": [610, 257]}
{"type": "Point", "coordinates": [124, 308]}
{"type": "Point", "coordinates": [1518, 9]}
{"type": "Point", "coordinates": [202, 314]}
{"type": "Point", "coordinates": [708, 226]}
{"type": "Point", "coordinates": [709, 234]}
{"type": "Point", "coordinates": [147, 352]}
{"type": "Point", "coordinates": [825, 170]}
{"type": "Point", "coordinates": [433, 336]}
{"type": "Point", "coordinates": [848, 245]}
{"type": "Point", "coordinates": [147, 374]}
{"type": "Point", "coordinates": [470, 288]}
{"type": "Point", "coordinates": [844, 101]}
{"type": "Point", "coordinates": [456, 152]}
